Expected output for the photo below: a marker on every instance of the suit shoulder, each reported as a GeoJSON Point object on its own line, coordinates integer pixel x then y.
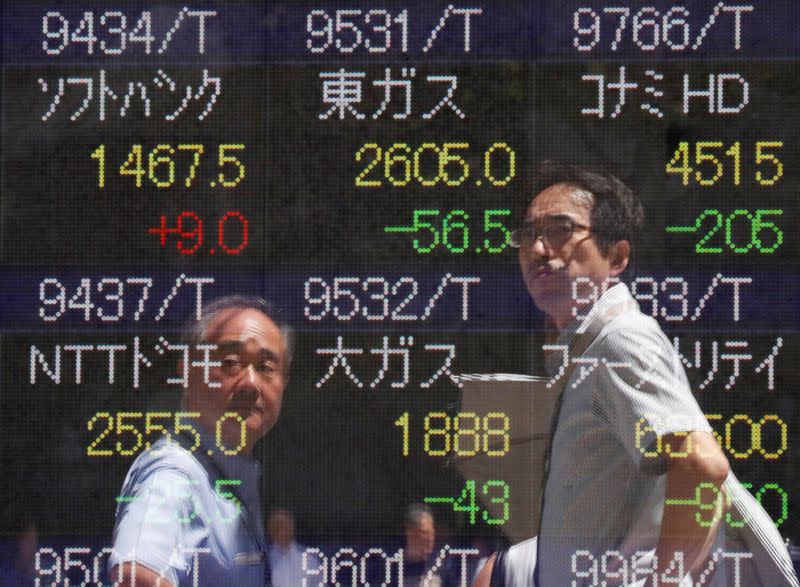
{"type": "Point", "coordinates": [166, 457]}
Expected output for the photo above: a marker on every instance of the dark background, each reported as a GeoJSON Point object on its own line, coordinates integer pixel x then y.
{"type": "Point", "coordinates": [334, 457]}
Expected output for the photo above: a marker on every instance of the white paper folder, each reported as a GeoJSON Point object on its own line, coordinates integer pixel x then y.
{"type": "Point", "coordinates": [528, 404]}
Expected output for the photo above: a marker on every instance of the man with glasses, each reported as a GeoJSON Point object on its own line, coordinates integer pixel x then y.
{"type": "Point", "coordinates": [629, 445]}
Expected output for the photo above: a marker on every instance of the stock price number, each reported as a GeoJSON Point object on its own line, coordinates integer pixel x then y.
{"type": "Point", "coordinates": [165, 165]}
{"type": "Point", "coordinates": [189, 230]}
{"type": "Point", "coordinates": [743, 231]}
{"type": "Point", "coordinates": [123, 425]}
{"type": "Point", "coordinates": [709, 166]}
{"type": "Point", "coordinates": [743, 437]}
{"type": "Point", "coordinates": [433, 164]}
{"type": "Point", "coordinates": [451, 230]}
{"type": "Point", "coordinates": [779, 498]}
{"type": "Point", "coordinates": [495, 491]}
{"type": "Point", "coordinates": [465, 435]}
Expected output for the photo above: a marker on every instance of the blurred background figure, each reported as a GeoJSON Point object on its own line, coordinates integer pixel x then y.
{"type": "Point", "coordinates": [18, 567]}
{"type": "Point", "coordinates": [420, 533]}
{"type": "Point", "coordinates": [285, 555]}
{"type": "Point", "coordinates": [420, 554]}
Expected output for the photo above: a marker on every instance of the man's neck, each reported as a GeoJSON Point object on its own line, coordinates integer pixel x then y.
{"type": "Point", "coordinates": [562, 322]}
{"type": "Point", "coordinates": [559, 319]}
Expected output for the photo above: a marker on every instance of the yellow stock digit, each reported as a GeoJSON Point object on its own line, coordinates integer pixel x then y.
{"type": "Point", "coordinates": [159, 157]}
{"type": "Point", "coordinates": [467, 425]}
{"type": "Point", "coordinates": [397, 156]}
{"type": "Point", "coordinates": [784, 436]}
{"type": "Point", "coordinates": [226, 160]}
{"type": "Point", "coordinates": [754, 439]}
{"type": "Point", "coordinates": [197, 151]}
{"type": "Point", "coordinates": [442, 432]}
{"type": "Point", "coordinates": [133, 165]}
{"type": "Point", "coordinates": [702, 157]}
{"type": "Point", "coordinates": [496, 439]}
{"type": "Point", "coordinates": [130, 428]}
{"type": "Point", "coordinates": [769, 160]}
{"type": "Point", "coordinates": [150, 426]}
{"type": "Point", "coordinates": [92, 450]}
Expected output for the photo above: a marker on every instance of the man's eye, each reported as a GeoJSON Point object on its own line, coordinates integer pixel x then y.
{"type": "Point", "coordinates": [557, 232]}
{"type": "Point", "coordinates": [230, 362]}
{"type": "Point", "coordinates": [267, 367]}
{"type": "Point", "coordinates": [559, 229]}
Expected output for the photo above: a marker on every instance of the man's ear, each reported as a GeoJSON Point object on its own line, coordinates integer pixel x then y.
{"type": "Point", "coordinates": [619, 254]}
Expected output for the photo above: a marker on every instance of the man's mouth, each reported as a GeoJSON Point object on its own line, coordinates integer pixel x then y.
{"type": "Point", "coordinates": [246, 401]}
{"type": "Point", "coordinates": [247, 408]}
{"type": "Point", "coordinates": [544, 271]}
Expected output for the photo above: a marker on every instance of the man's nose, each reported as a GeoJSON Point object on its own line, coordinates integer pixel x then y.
{"type": "Point", "coordinates": [248, 379]}
{"type": "Point", "coordinates": [539, 248]}
{"type": "Point", "coordinates": [251, 375]}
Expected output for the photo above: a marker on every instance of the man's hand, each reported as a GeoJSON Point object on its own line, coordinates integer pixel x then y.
{"type": "Point", "coordinates": [137, 575]}
{"type": "Point", "coordinates": [694, 458]}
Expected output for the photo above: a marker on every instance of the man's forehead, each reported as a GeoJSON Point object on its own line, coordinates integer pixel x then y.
{"type": "Point", "coordinates": [281, 516]}
{"type": "Point", "coordinates": [561, 200]}
{"type": "Point", "coordinates": [239, 325]}
{"type": "Point", "coordinates": [539, 220]}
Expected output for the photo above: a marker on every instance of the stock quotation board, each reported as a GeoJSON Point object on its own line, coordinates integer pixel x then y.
{"type": "Point", "coordinates": [362, 166]}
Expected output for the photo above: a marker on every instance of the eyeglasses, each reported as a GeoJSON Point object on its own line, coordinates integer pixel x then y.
{"type": "Point", "coordinates": [554, 234]}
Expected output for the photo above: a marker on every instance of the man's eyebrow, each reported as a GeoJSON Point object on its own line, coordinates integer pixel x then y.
{"type": "Point", "coordinates": [236, 345]}
{"type": "Point", "coordinates": [549, 218]}
{"type": "Point", "coordinates": [268, 354]}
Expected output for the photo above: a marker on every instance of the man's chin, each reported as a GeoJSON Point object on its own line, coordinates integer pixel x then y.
{"type": "Point", "coordinates": [552, 303]}
{"type": "Point", "coordinates": [258, 424]}
{"type": "Point", "coordinates": [546, 296]}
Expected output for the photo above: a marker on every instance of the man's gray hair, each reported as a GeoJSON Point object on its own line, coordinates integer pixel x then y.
{"type": "Point", "coordinates": [415, 512]}
{"type": "Point", "coordinates": [196, 331]}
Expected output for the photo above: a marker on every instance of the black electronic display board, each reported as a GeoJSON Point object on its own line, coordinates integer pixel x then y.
{"type": "Point", "coordinates": [362, 165]}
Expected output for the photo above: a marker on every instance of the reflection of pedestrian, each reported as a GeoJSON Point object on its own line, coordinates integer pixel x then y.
{"type": "Point", "coordinates": [285, 555]}
{"type": "Point", "coordinates": [191, 509]}
{"type": "Point", "coordinates": [419, 553]}
{"type": "Point", "coordinates": [19, 568]}
{"type": "Point", "coordinates": [630, 446]}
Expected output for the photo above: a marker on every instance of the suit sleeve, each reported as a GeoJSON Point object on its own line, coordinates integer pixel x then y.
{"type": "Point", "coordinates": [153, 524]}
